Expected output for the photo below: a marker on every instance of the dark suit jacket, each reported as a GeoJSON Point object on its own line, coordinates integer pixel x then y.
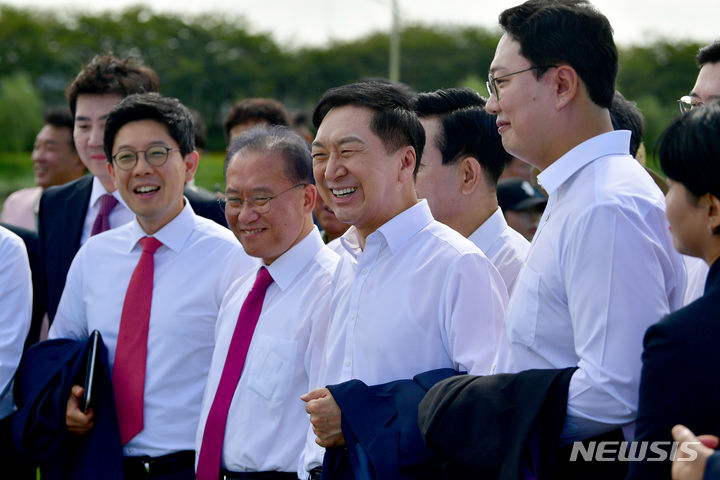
{"type": "Point", "coordinates": [42, 386]}
{"type": "Point", "coordinates": [679, 375]}
{"type": "Point", "coordinates": [503, 426]}
{"type": "Point", "coordinates": [38, 310]}
{"type": "Point", "coordinates": [60, 223]}
{"type": "Point", "coordinates": [379, 424]}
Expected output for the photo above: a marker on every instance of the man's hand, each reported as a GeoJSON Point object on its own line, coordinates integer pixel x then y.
{"type": "Point", "coordinates": [76, 421]}
{"type": "Point", "coordinates": [684, 468]}
{"type": "Point", "coordinates": [324, 417]}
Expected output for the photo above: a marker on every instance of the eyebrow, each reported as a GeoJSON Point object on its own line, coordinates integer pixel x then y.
{"type": "Point", "coordinates": [150, 144]}
{"type": "Point", "coordinates": [342, 141]}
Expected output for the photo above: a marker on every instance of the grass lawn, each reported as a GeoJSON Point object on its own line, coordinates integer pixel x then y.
{"type": "Point", "coordinates": [16, 172]}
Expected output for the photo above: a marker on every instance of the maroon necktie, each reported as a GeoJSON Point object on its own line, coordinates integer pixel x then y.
{"type": "Point", "coordinates": [208, 467]}
{"type": "Point", "coordinates": [128, 375]}
{"type": "Point", "coordinates": [102, 220]}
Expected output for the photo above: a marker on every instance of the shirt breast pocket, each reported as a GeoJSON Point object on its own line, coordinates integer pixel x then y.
{"type": "Point", "coordinates": [271, 367]}
{"type": "Point", "coordinates": [522, 311]}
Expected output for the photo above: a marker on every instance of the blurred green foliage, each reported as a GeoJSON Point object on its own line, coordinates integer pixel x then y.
{"type": "Point", "coordinates": [211, 61]}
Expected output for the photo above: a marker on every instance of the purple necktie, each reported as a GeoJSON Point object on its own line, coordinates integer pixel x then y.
{"type": "Point", "coordinates": [208, 467]}
{"type": "Point", "coordinates": [128, 377]}
{"type": "Point", "coordinates": [102, 220]}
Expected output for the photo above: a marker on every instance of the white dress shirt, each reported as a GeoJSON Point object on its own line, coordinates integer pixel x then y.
{"type": "Point", "coordinates": [194, 267]}
{"type": "Point", "coordinates": [601, 270]}
{"type": "Point", "coordinates": [120, 215]}
{"type": "Point", "coordinates": [697, 272]}
{"type": "Point", "coordinates": [267, 424]}
{"type": "Point", "coordinates": [16, 300]}
{"type": "Point", "coordinates": [506, 248]}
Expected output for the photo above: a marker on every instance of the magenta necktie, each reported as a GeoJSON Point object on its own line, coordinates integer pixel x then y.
{"type": "Point", "coordinates": [102, 220]}
{"type": "Point", "coordinates": [208, 467]}
{"type": "Point", "coordinates": [128, 375]}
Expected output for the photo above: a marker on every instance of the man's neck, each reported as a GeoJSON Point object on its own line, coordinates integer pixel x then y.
{"type": "Point", "coordinates": [475, 214]}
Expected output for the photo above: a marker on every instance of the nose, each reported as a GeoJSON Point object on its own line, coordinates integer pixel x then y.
{"type": "Point", "coordinates": [142, 167]}
{"type": "Point", "coordinates": [492, 106]}
{"type": "Point", "coordinates": [96, 136]}
{"type": "Point", "coordinates": [247, 214]}
{"type": "Point", "coordinates": [334, 167]}
{"type": "Point", "coordinates": [38, 154]}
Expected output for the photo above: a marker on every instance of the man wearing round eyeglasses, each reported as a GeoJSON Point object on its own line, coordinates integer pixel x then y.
{"type": "Point", "coordinates": [602, 267]}
{"type": "Point", "coordinates": [159, 334]}
{"type": "Point", "coordinates": [707, 85]}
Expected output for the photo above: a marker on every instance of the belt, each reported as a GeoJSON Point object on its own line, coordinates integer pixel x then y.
{"type": "Point", "coordinates": [316, 473]}
{"type": "Point", "coordinates": [149, 467]}
{"type": "Point", "coordinates": [227, 475]}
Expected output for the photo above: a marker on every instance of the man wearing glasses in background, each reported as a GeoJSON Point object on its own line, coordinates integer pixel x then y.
{"type": "Point", "coordinates": [706, 89]}
{"type": "Point", "coordinates": [707, 85]}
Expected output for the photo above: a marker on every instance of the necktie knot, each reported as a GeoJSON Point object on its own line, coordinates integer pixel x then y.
{"type": "Point", "coordinates": [150, 244]}
{"type": "Point", "coordinates": [107, 203]}
{"type": "Point", "coordinates": [102, 219]}
{"type": "Point", "coordinates": [263, 280]}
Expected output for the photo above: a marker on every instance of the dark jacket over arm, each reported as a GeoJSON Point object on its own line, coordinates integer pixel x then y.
{"type": "Point", "coordinates": [43, 381]}
{"type": "Point", "coordinates": [379, 424]}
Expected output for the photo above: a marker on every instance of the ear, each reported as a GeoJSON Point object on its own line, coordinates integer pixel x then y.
{"type": "Point", "coordinates": [309, 198]}
{"type": "Point", "coordinates": [566, 83]}
{"type": "Point", "coordinates": [191, 163]}
{"type": "Point", "coordinates": [111, 170]}
{"type": "Point", "coordinates": [713, 211]}
{"type": "Point", "coordinates": [470, 175]}
{"type": "Point", "coordinates": [407, 164]}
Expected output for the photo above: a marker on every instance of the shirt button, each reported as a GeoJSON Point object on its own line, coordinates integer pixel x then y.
{"type": "Point", "coordinates": [347, 363]}
{"type": "Point", "coordinates": [364, 271]}
{"type": "Point", "coordinates": [352, 316]}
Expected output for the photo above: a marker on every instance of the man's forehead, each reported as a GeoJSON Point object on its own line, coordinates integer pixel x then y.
{"type": "Point", "coordinates": [507, 54]}
{"type": "Point", "coordinates": [707, 86]}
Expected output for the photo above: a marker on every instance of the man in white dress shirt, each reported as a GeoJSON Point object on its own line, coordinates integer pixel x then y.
{"type": "Point", "coordinates": [149, 145]}
{"type": "Point", "coordinates": [16, 297]}
{"type": "Point", "coordinates": [269, 202]}
{"type": "Point", "coordinates": [459, 170]}
{"type": "Point", "coordinates": [602, 267]}
{"type": "Point", "coordinates": [411, 294]}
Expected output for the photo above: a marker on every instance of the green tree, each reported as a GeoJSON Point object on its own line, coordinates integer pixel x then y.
{"type": "Point", "coordinates": [20, 113]}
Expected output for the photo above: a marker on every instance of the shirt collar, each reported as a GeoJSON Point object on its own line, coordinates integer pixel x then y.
{"type": "Point", "coordinates": [610, 143]}
{"type": "Point", "coordinates": [98, 190]}
{"type": "Point", "coordinates": [290, 264]}
{"type": "Point", "coordinates": [173, 235]}
{"type": "Point", "coordinates": [489, 231]}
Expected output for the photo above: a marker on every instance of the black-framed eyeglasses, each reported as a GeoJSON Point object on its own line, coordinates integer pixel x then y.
{"type": "Point", "coordinates": [688, 102]}
{"type": "Point", "coordinates": [491, 84]}
{"type": "Point", "coordinates": [155, 156]}
{"type": "Point", "coordinates": [259, 204]}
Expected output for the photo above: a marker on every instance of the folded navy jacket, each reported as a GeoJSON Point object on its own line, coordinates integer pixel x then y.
{"type": "Point", "coordinates": [46, 374]}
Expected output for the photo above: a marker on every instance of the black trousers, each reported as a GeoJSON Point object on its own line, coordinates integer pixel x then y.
{"type": "Point", "coordinates": [13, 467]}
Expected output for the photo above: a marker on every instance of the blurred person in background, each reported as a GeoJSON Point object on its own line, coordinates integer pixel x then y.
{"type": "Point", "coordinates": [55, 162]}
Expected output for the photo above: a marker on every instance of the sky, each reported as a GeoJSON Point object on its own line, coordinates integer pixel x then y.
{"type": "Point", "coordinates": [316, 22]}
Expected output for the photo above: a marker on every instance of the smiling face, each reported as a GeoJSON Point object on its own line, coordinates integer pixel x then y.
{"type": "Point", "coordinates": [91, 111]}
{"type": "Point", "coordinates": [357, 178]}
{"type": "Point", "coordinates": [525, 105]}
{"type": "Point", "coordinates": [54, 159]}
{"type": "Point", "coordinates": [266, 235]}
{"type": "Point", "coordinates": [154, 194]}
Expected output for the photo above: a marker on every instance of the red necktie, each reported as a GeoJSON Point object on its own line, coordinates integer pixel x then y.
{"type": "Point", "coordinates": [102, 220]}
{"type": "Point", "coordinates": [128, 375]}
{"type": "Point", "coordinates": [208, 467]}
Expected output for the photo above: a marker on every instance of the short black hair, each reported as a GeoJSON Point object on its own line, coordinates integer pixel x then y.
{"type": "Point", "coordinates": [708, 54]}
{"type": "Point", "coordinates": [393, 121]}
{"type": "Point", "coordinates": [467, 129]}
{"type": "Point", "coordinates": [689, 150]}
{"type": "Point", "coordinates": [625, 115]}
{"type": "Point", "coordinates": [108, 74]}
{"type": "Point", "coordinates": [280, 140]}
{"type": "Point", "coordinates": [60, 117]}
{"type": "Point", "coordinates": [151, 106]}
{"type": "Point", "coordinates": [571, 32]}
{"type": "Point", "coordinates": [260, 110]}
